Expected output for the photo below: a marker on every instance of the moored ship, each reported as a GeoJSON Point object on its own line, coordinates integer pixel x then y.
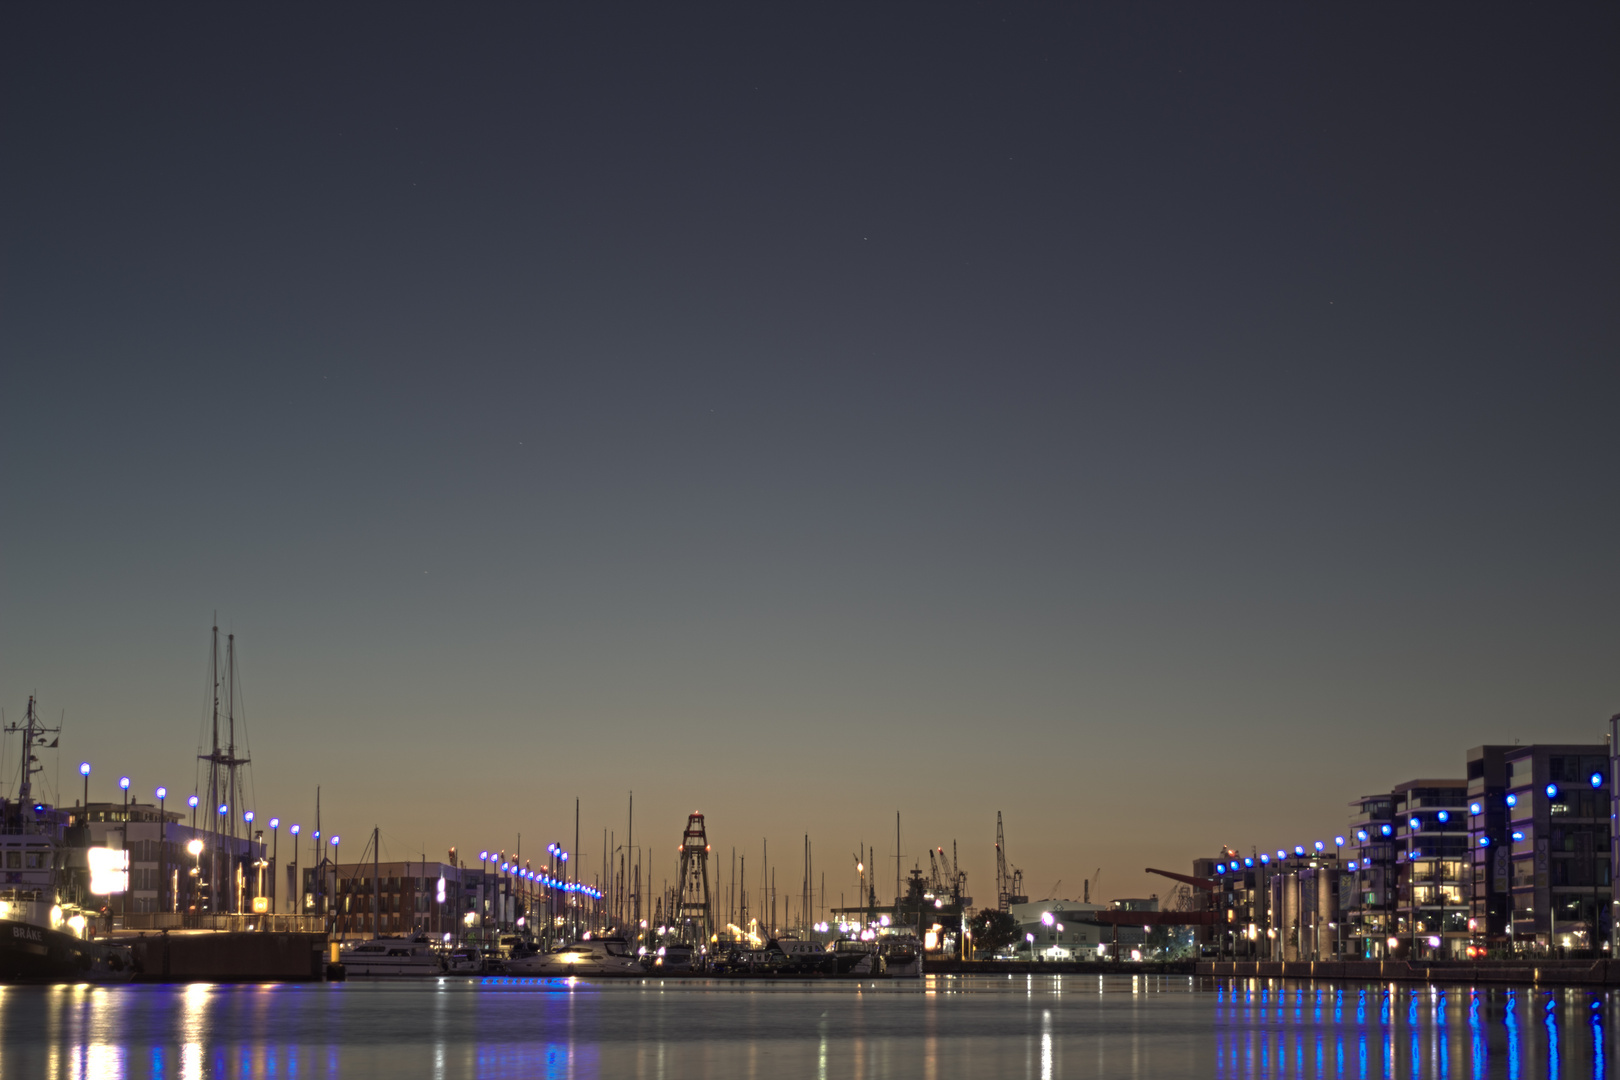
{"type": "Point", "coordinates": [45, 929]}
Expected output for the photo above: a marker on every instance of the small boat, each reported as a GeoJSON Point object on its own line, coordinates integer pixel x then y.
{"type": "Point", "coordinates": [391, 957]}
{"type": "Point", "coordinates": [467, 960]}
{"type": "Point", "coordinates": [902, 955]}
{"type": "Point", "coordinates": [673, 958]}
{"type": "Point", "coordinates": [802, 957]}
{"type": "Point", "coordinates": [590, 957]}
{"type": "Point", "coordinates": [854, 957]}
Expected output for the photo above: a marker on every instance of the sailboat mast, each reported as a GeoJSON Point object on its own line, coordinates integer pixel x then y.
{"type": "Point", "coordinates": [230, 745]}
{"type": "Point", "coordinates": [213, 778]}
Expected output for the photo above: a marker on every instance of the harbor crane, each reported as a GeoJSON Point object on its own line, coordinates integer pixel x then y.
{"type": "Point", "coordinates": [1009, 884]}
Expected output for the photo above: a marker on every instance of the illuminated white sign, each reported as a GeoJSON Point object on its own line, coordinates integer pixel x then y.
{"type": "Point", "coordinates": [109, 871]}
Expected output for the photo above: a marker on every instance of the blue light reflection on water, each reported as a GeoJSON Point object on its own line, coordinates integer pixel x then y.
{"type": "Point", "coordinates": [938, 1029]}
{"type": "Point", "coordinates": [1265, 1030]}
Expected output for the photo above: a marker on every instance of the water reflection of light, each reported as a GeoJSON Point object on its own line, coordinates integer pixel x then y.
{"type": "Point", "coordinates": [1552, 1038]}
{"type": "Point", "coordinates": [1512, 1022]}
{"type": "Point", "coordinates": [103, 1062]}
{"type": "Point", "coordinates": [1476, 1035]}
{"type": "Point", "coordinates": [193, 1019]}
{"type": "Point", "coordinates": [1046, 1044]}
{"type": "Point", "coordinates": [1600, 1049]}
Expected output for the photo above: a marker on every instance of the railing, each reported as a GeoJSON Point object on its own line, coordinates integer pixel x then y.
{"type": "Point", "coordinates": [269, 924]}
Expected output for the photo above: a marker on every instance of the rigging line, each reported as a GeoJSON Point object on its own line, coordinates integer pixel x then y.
{"type": "Point", "coordinates": [247, 743]}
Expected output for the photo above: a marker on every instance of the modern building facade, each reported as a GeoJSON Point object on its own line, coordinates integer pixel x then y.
{"type": "Point", "coordinates": [1432, 870]}
{"type": "Point", "coordinates": [1490, 907]}
{"type": "Point", "coordinates": [1519, 857]}
{"type": "Point", "coordinates": [1557, 813]}
{"type": "Point", "coordinates": [1614, 836]}
{"type": "Point", "coordinates": [1368, 886]}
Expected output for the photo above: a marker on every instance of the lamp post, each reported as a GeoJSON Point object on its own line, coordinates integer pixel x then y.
{"type": "Point", "coordinates": [483, 892]}
{"type": "Point", "coordinates": [213, 858]}
{"type": "Point", "coordinates": [241, 898]}
{"type": "Point", "coordinates": [194, 849]}
{"type": "Point", "coordinates": [123, 831]}
{"type": "Point", "coordinates": [315, 868]}
{"type": "Point", "coordinates": [335, 839]}
{"type": "Point", "coordinates": [196, 871]}
{"type": "Point", "coordinates": [84, 771]}
{"type": "Point", "coordinates": [1413, 826]}
{"type": "Point", "coordinates": [259, 864]}
{"type": "Point", "coordinates": [295, 901]}
{"type": "Point", "coordinates": [163, 847]}
{"type": "Point", "coordinates": [1338, 910]}
{"type": "Point", "coordinates": [275, 854]}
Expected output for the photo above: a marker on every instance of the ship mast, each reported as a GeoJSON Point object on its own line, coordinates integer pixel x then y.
{"type": "Point", "coordinates": [33, 733]}
{"type": "Point", "coordinates": [224, 785]}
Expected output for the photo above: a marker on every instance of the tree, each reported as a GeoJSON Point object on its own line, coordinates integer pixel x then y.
{"type": "Point", "coordinates": [992, 931]}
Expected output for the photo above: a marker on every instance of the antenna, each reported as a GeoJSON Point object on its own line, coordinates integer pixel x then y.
{"type": "Point", "coordinates": [33, 733]}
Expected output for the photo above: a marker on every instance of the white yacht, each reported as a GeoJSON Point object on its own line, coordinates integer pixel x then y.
{"type": "Point", "coordinates": [591, 957]}
{"type": "Point", "coordinates": [391, 956]}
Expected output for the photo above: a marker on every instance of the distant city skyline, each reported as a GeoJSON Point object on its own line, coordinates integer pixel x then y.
{"type": "Point", "coordinates": [1160, 426]}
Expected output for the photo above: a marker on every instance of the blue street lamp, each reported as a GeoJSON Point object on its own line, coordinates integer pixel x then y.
{"type": "Point", "coordinates": [163, 847]}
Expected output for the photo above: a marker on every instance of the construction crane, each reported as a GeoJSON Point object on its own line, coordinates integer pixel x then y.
{"type": "Point", "coordinates": [1092, 881]}
{"type": "Point", "coordinates": [1009, 884]}
{"type": "Point", "coordinates": [1001, 866]}
{"type": "Point", "coordinates": [958, 879]}
{"type": "Point", "coordinates": [936, 883]}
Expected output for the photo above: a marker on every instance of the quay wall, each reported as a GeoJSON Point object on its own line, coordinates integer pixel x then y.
{"type": "Point", "coordinates": [1056, 967]}
{"type": "Point", "coordinates": [1474, 972]}
{"type": "Point", "coordinates": [229, 957]}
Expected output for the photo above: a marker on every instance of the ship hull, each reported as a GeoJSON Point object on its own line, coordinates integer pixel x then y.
{"type": "Point", "coordinates": [36, 954]}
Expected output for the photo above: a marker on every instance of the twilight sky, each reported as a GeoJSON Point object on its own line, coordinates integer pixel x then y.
{"type": "Point", "coordinates": [1159, 424]}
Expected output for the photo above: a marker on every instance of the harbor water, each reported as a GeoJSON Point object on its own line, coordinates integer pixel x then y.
{"type": "Point", "coordinates": [935, 1028]}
